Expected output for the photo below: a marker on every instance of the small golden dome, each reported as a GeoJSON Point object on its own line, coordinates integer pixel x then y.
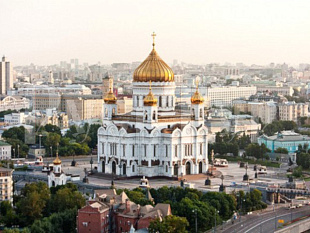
{"type": "Point", "coordinates": [110, 97]}
{"type": "Point", "coordinates": [197, 97]}
{"type": "Point", "coordinates": [57, 161]}
{"type": "Point", "coordinates": [153, 68]}
{"type": "Point", "coordinates": [150, 100]}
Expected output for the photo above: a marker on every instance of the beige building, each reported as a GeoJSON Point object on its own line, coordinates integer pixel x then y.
{"type": "Point", "coordinates": [59, 119]}
{"type": "Point", "coordinates": [106, 82]}
{"type": "Point", "coordinates": [77, 107]}
{"type": "Point", "coordinates": [266, 111]}
{"type": "Point", "coordinates": [240, 106]}
{"type": "Point", "coordinates": [84, 107]}
{"type": "Point", "coordinates": [46, 101]}
{"type": "Point", "coordinates": [6, 184]}
{"type": "Point", "coordinates": [124, 105]}
{"type": "Point", "coordinates": [291, 111]}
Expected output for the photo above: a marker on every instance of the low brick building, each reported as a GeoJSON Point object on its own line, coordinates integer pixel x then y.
{"type": "Point", "coordinates": [110, 212]}
{"type": "Point", "coordinates": [94, 217]}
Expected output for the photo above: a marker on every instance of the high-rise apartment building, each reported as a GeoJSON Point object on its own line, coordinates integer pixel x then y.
{"type": "Point", "coordinates": [6, 184]}
{"type": "Point", "coordinates": [6, 76]}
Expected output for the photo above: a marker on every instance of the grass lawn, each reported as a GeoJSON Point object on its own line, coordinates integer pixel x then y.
{"type": "Point", "coordinates": [250, 161]}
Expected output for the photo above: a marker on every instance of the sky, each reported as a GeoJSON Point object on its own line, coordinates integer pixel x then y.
{"type": "Point", "coordinates": [191, 31]}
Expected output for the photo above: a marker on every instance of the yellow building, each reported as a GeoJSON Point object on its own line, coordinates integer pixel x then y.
{"type": "Point", "coordinates": [84, 107]}
{"type": "Point", "coordinates": [124, 105]}
{"type": "Point", "coordinates": [6, 184]}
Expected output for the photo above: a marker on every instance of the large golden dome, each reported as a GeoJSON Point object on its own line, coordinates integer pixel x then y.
{"type": "Point", "coordinates": [154, 69]}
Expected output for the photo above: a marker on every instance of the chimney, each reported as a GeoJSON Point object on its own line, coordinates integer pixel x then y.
{"type": "Point", "coordinates": [127, 205]}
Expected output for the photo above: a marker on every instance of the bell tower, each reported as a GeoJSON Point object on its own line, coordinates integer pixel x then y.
{"type": "Point", "coordinates": [110, 106]}
{"type": "Point", "coordinates": [197, 107]}
{"type": "Point", "coordinates": [150, 107]}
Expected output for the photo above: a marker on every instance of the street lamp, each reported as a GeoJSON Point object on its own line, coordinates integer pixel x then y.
{"type": "Point", "coordinates": [51, 151]}
{"type": "Point", "coordinates": [216, 212]}
{"type": "Point", "coordinates": [195, 212]}
{"type": "Point", "coordinates": [40, 136]}
{"type": "Point", "coordinates": [18, 150]}
{"type": "Point", "coordinates": [14, 153]}
{"type": "Point", "coordinates": [91, 165]}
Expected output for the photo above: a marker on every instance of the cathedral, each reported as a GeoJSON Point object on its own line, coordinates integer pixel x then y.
{"type": "Point", "coordinates": [154, 139]}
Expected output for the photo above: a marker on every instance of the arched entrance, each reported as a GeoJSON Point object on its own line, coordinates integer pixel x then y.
{"type": "Point", "coordinates": [53, 183]}
{"type": "Point", "coordinates": [124, 169]}
{"type": "Point", "coordinates": [114, 167]}
{"type": "Point", "coordinates": [175, 169]}
{"type": "Point", "coordinates": [103, 166]}
{"type": "Point", "coordinates": [200, 167]}
{"type": "Point", "coordinates": [188, 168]}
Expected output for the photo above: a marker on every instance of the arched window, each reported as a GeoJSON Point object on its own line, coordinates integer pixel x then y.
{"type": "Point", "coordinates": [166, 168]}
{"type": "Point", "coordinates": [154, 115]}
{"type": "Point", "coordinates": [160, 101]}
{"type": "Point", "coordinates": [133, 168]}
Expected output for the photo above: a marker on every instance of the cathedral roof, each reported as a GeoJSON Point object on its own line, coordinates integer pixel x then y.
{"type": "Point", "coordinates": [153, 68]}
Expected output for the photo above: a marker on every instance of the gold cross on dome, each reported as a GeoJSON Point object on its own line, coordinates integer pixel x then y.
{"type": "Point", "coordinates": [150, 85]}
{"type": "Point", "coordinates": [110, 83]}
{"type": "Point", "coordinates": [153, 35]}
{"type": "Point", "coordinates": [197, 84]}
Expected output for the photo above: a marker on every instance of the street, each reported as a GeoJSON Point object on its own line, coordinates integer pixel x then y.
{"type": "Point", "coordinates": [266, 222]}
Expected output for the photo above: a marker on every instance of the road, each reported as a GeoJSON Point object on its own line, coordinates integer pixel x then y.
{"type": "Point", "coordinates": [266, 222]}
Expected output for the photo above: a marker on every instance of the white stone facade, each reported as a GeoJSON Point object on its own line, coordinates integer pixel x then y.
{"type": "Point", "coordinates": [153, 140]}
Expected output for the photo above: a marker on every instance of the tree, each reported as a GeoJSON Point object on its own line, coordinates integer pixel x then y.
{"type": "Point", "coordinates": [243, 141]}
{"type": "Point", "coordinates": [66, 198]}
{"type": "Point", "coordinates": [281, 150]}
{"type": "Point", "coordinates": [15, 133]}
{"type": "Point", "coordinates": [8, 216]}
{"type": "Point", "coordinates": [169, 224]}
{"type": "Point", "coordinates": [31, 206]}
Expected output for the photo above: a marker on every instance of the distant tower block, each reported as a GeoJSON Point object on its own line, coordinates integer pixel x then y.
{"type": "Point", "coordinates": [50, 77]}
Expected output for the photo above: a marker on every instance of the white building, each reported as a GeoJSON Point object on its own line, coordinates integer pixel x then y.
{"type": "Point", "coordinates": [223, 96]}
{"type": "Point", "coordinates": [5, 151]}
{"type": "Point", "coordinates": [14, 118]}
{"type": "Point", "coordinates": [31, 90]}
{"type": "Point", "coordinates": [6, 76]}
{"type": "Point", "coordinates": [57, 176]}
{"type": "Point", "coordinates": [153, 139]}
{"type": "Point", "coordinates": [6, 184]}
{"type": "Point", "coordinates": [287, 90]}
{"type": "Point", "coordinates": [13, 103]}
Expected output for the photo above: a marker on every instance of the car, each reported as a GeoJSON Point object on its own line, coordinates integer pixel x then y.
{"type": "Point", "coordinates": [299, 205]}
{"type": "Point", "coordinates": [291, 207]}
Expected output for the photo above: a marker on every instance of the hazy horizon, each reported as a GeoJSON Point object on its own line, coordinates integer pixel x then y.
{"type": "Point", "coordinates": [197, 32]}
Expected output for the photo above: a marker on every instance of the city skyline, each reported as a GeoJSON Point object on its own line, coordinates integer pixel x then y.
{"type": "Point", "coordinates": [197, 32]}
